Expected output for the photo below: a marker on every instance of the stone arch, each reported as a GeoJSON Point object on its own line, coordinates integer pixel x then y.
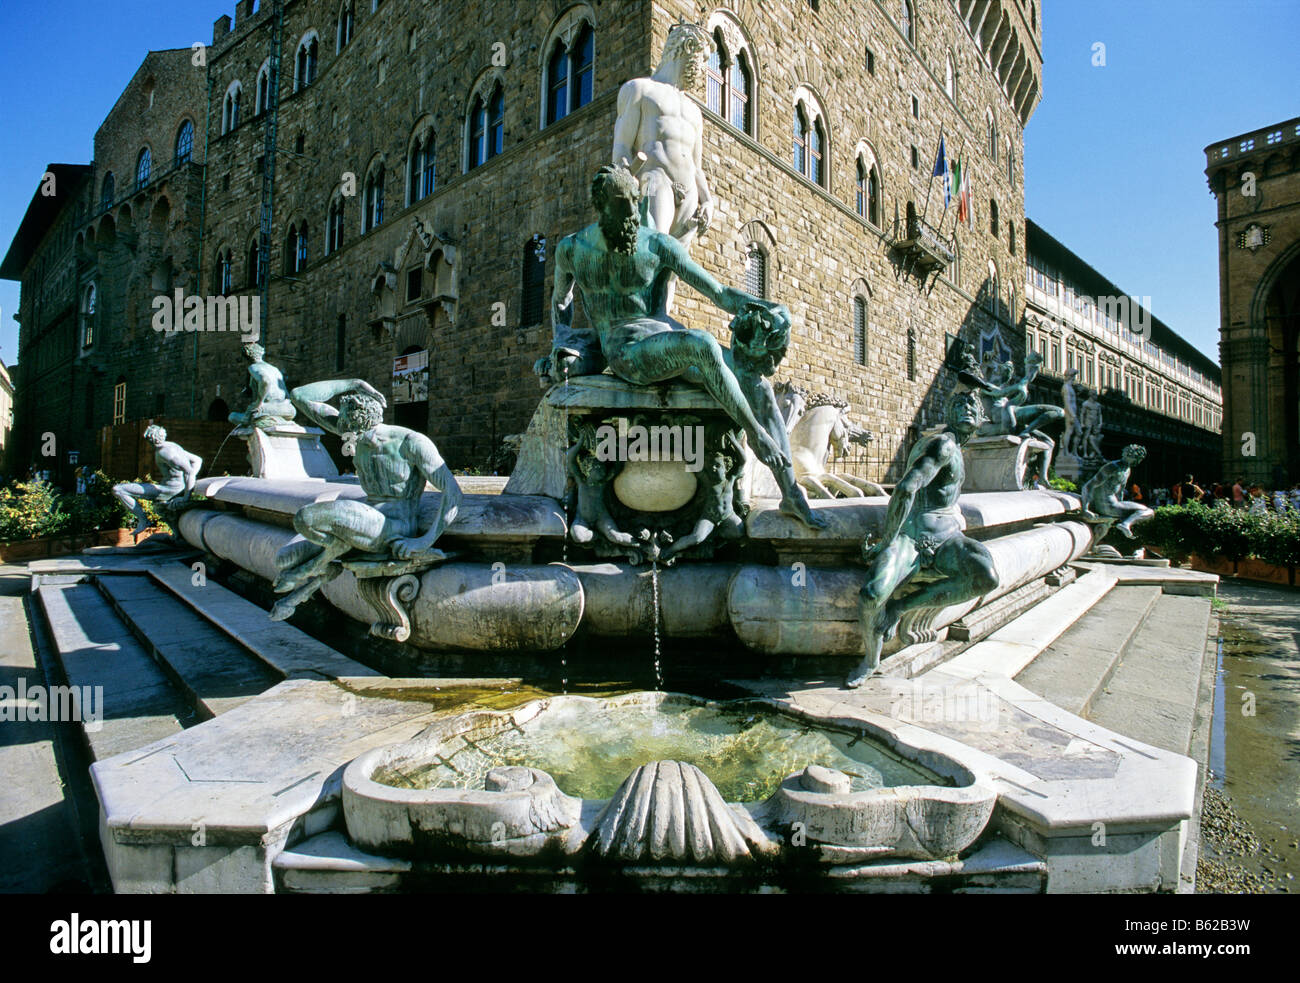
{"type": "Point", "coordinates": [424, 126]}
{"type": "Point", "coordinates": [564, 30]}
{"type": "Point", "coordinates": [309, 37]}
{"type": "Point", "coordinates": [484, 86]}
{"type": "Point", "coordinates": [810, 97]}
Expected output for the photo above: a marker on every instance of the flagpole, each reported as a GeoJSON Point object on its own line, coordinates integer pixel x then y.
{"type": "Point", "coordinates": [957, 190]}
{"type": "Point", "coordinates": [926, 209]}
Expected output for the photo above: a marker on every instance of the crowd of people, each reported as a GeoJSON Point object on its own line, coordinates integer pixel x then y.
{"type": "Point", "coordinates": [1237, 494]}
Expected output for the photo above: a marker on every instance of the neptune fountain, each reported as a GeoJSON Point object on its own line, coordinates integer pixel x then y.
{"type": "Point", "coordinates": [661, 496]}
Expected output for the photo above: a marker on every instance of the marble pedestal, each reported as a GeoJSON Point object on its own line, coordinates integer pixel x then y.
{"type": "Point", "coordinates": [1004, 463]}
{"type": "Point", "coordinates": [288, 451]}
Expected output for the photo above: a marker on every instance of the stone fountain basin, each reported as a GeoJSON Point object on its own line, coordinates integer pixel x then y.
{"type": "Point", "coordinates": [474, 783]}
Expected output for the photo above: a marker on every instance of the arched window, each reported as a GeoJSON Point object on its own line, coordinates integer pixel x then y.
{"type": "Point", "coordinates": [557, 93]}
{"type": "Point", "coordinates": [373, 199]}
{"type": "Point", "coordinates": [800, 140]}
{"type": "Point", "coordinates": [1011, 237]}
{"type": "Point", "coordinates": [906, 21]}
{"type": "Point", "coordinates": [305, 65]}
{"type": "Point", "coordinates": [254, 263]}
{"type": "Point", "coordinates": [343, 32]}
{"type": "Point", "coordinates": [533, 301]}
{"type": "Point", "coordinates": [295, 250]}
{"type": "Point", "coordinates": [867, 200]}
{"type": "Point", "coordinates": [262, 100]}
{"type": "Point", "coordinates": [994, 288]}
{"type": "Point", "coordinates": [421, 167]}
{"type": "Point", "coordinates": [1011, 164]}
{"type": "Point", "coordinates": [143, 163]}
{"type": "Point", "coordinates": [860, 330]}
{"type": "Point", "coordinates": [107, 191]}
{"type": "Point", "coordinates": [221, 273]}
{"type": "Point", "coordinates": [992, 133]}
{"type": "Point", "coordinates": [730, 84]}
{"type": "Point", "coordinates": [950, 79]}
{"type": "Point", "coordinates": [230, 107]}
{"type": "Point", "coordinates": [184, 143]}
{"type": "Point", "coordinates": [756, 270]}
{"type": "Point", "coordinates": [334, 226]}
{"type": "Point", "coordinates": [89, 298]}
{"type": "Point", "coordinates": [810, 156]}
{"type": "Point", "coordinates": [487, 126]}
{"type": "Point", "coordinates": [993, 217]}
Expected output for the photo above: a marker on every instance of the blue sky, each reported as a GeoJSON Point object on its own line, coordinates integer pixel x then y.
{"type": "Point", "coordinates": [1113, 156]}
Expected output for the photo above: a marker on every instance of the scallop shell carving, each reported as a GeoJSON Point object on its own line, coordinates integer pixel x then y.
{"type": "Point", "coordinates": [670, 811]}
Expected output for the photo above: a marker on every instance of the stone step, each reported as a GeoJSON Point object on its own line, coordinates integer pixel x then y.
{"type": "Point", "coordinates": [1076, 667]}
{"type": "Point", "coordinates": [214, 671]}
{"type": "Point", "coordinates": [288, 650]}
{"type": "Point", "coordinates": [1152, 694]}
{"type": "Point", "coordinates": [140, 703]}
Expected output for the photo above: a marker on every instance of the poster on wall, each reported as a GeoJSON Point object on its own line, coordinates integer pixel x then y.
{"type": "Point", "coordinates": [411, 378]}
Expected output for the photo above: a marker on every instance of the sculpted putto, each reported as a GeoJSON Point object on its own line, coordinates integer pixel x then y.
{"type": "Point", "coordinates": [659, 135]}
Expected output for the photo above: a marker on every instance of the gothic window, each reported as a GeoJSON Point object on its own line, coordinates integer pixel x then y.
{"type": "Point", "coordinates": [860, 330]}
{"type": "Point", "coordinates": [305, 65]}
{"type": "Point", "coordinates": [334, 226]}
{"type": "Point", "coordinates": [295, 249]}
{"type": "Point", "coordinates": [221, 279]}
{"type": "Point", "coordinates": [730, 85]}
{"type": "Point", "coordinates": [262, 98]}
{"type": "Point", "coordinates": [991, 131]}
{"type": "Point", "coordinates": [107, 191]}
{"type": "Point", "coordinates": [993, 217]}
{"type": "Point", "coordinates": [142, 167]}
{"type": "Point", "coordinates": [950, 79]}
{"type": "Point", "coordinates": [88, 301]}
{"type": "Point", "coordinates": [809, 141]}
{"type": "Point", "coordinates": [815, 151]}
{"type": "Point", "coordinates": [254, 263]}
{"type": "Point", "coordinates": [993, 289]}
{"type": "Point", "coordinates": [906, 21]}
{"type": "Point", "coordinates": [570, 73]}
{"type": "Point", "coordinates": [800, 140]}
{"type": "Point", "coordinates": [756, 270]}
{"type": "Point", "coordinates": [344, 29]}
{"type": "Point", "coordinates": [1011, 237]}
{"type": "Point", "coordinates": [184, 143]}
{"type": "Point", "coordinates": [230, 107]}
{"type": "Point", "coordinates": [372, 210]}
{"type": "Point", "coordinates": [867, 199]}
{"type": "Point", "coordinates": [1011, 165]}
{"type": "Point", "coordinates": [487, 126]}
{"type": "Point", "coordinates": [421, 167]}
{"type": "Point", "coordinates": [533, 300]}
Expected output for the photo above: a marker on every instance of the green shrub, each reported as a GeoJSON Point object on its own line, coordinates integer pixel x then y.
{"type": "Point", "coordinates": [1234, 534]}
{"type": "Point", "coordinates": [1063, 484]}
{"type": "Point", "coordinates": [29, 509]}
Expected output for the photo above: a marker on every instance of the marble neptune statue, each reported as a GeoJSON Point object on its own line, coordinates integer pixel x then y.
{"type": "Point", "coordinates": [659, 136]}
{"type": "Point", "coordinates": [393, 464]}
{"type": "Point", "coordinates": [924, 531]}
{"type": "Point", "coordinates": [621, 268]}
{"type": "Point", "coordinates": [178, 469]}
{"type": "Point", "coordinates": [270, 405]}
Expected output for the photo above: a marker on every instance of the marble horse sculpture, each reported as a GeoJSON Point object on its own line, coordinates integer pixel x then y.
{"type": "Point", "coordinates": [1103, 493]}
{"type": "Point", "coordinates": [621, 269]}
{"type": "Point", "coordinates": [393, 465]}
{"type": "Point", "coordinates": [924, 532]}
{"type": "Point", "coordinates": [824, 430]}
{"type": "Point", "coordinates": [178, 469]}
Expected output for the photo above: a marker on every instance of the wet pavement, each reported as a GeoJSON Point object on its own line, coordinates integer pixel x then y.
{"type": "Point", "coordinates": [1250, 840]}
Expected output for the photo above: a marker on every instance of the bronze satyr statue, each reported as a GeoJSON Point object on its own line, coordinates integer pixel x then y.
{"type": "Point", "coordinates": [393, 464]}
{"type": "Point", "coordinates": [1102, 495]}
{"type": "Point", "coordinates": [924, 531]}
{"type": "Point", "coordinates": [178, 469]}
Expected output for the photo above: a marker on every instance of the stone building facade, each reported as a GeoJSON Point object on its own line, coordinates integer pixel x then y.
{"type": "Point", "coordinates": [1255, 178]}
{"type": "Point", "coordinates": [1155, 388]}
{"type": "Point", "coordinates": [426, 162]}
